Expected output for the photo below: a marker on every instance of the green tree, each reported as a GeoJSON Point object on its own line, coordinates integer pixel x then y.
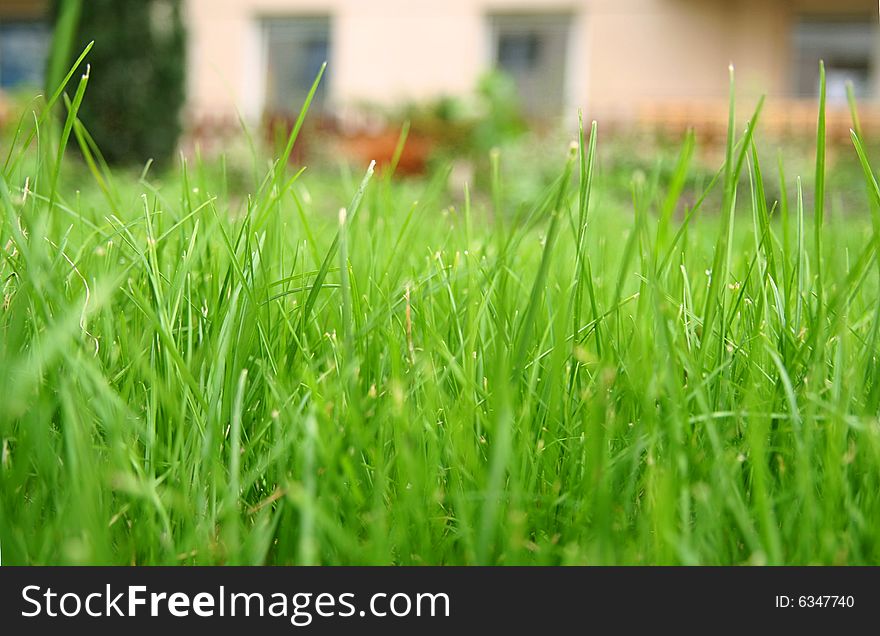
{"type": "Point", "coordinates": [138, 69]}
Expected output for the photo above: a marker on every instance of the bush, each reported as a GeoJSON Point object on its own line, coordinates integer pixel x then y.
{"type": "Point", "coordinates": [136, 89]}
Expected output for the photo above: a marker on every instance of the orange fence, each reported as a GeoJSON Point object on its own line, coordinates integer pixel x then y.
{"type": "Point", "coordinates": [779, 118]}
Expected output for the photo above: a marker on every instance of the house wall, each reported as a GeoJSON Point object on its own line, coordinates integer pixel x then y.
{"type": "Point", "coordinates": [382, 50]}
{"type": "Point", "coordinates": [623, 54]}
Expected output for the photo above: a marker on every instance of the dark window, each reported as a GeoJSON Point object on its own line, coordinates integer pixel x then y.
{"type": "Point", "coordinates": [849, 49]}
{"type": "Point", "coordinates": [24, 46]}
{"type": "Point", "coordinates": [295, 49]}
{"type": "Point", "coordinates": [518, 51]}
{"type": "Point", "coordinates": [533, 50]}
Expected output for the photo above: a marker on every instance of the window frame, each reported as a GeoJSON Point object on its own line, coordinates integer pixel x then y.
{"type": "Point", "coordinates": [811, 40]}
{"type": "Point", "coordinates": [568, 20]}
{"type": "Point", "coordinates": [323, 22]}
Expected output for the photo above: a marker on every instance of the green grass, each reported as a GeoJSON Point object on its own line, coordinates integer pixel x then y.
{"type": "Point", "coordinates": [193, 376]}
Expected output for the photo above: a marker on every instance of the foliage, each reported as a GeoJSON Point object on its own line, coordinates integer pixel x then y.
{"type": "Point", "coordinates": [138, 65]}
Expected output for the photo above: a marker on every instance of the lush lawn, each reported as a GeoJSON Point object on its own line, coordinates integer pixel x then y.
{"type": "Point", "coordinates": [191, 374]}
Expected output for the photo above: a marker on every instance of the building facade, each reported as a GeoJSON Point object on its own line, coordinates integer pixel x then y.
{"type": "Point", "coordinates": [615, 59]}
{"type": "Point", "coordinates": [609, 57]}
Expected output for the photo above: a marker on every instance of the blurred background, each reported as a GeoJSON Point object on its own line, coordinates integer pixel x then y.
{"type": "Point", "coordinates": [466, 74]}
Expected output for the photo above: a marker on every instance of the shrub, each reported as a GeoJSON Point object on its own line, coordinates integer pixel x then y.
{"type": "Point", "coordinates": [136, 90]}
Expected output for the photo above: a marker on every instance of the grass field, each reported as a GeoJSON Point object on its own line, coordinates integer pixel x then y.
{"type": "Point", "coordinates": [435, 377]}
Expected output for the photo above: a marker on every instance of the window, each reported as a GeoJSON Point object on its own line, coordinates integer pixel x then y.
{"type": "Point", "coordinates": [518, 52]}
{"type": "Point", "coordinates": [532, 49]}
{"type": "Point", "coordinates": [294, 50]}
{"type": "Point", "coordinates": [849, 49]}
{"type": "Point", "coordinates": [24, 46]}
